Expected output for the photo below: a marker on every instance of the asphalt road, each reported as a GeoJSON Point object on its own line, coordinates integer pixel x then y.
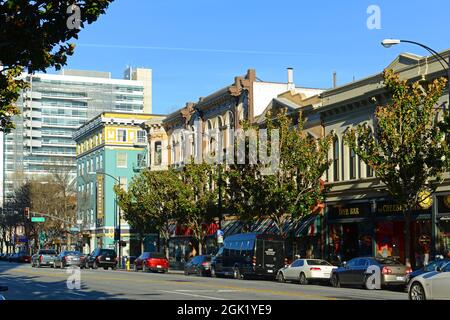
{"type": "Point", "coordinates": [26, 283]}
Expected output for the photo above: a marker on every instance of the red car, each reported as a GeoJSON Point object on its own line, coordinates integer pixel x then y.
{"type": "Point", "coordinates": [151, 261]}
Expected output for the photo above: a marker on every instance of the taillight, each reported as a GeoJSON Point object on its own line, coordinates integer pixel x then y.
{"type": "Point", "coordinates": [41, 258]}
{"type": "Point", "coordinates": [254, 260]}
{"type": "Point", "coordinates": [315, 269]}
{"type": "Point", "coordinates": [205, 264]}
{"type": "Point", "coordinates": [408, 271]}
{"type": "Point", "coordinates": [66, 258]}
{"type": "Point", "coordinates": [98, 258]}
{"type": "Point", "coordinates": [386, 270]}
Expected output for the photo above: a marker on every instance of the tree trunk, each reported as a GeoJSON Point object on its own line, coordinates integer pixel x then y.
{"type": "Point", "coordinates": [200, 246]}
{"type": "Point", "coordinates": [407, 233]}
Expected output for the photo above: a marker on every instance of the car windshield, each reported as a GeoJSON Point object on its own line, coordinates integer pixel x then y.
{"type": "Point", "coordinates": [108, 252]}
{"type": "Point", "coordinates": [157, 255]}
{"type": "Point", "coordinates": [388, 261]}
{"type": "Point", "coordinates": [47, 252]}
{"type": "Point", "coordinates": [317, 262]}
{"type": "Point", "coordinates": [73, 253]}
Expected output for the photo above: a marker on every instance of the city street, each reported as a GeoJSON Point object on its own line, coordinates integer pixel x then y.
{"type": "Point", "coordinates": [27, 283]}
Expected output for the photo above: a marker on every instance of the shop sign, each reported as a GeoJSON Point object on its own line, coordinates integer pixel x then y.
{"type": "Point", "coordinates": [348, 211]}
{"type": "Point", "coordinates": [390, 208]}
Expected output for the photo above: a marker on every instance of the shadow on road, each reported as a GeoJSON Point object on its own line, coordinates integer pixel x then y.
{"type": "Point", "coordinates": [30, 287]}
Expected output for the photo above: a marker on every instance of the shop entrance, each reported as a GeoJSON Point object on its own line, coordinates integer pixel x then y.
{"type": "Point", "coordinates": [390, 241]}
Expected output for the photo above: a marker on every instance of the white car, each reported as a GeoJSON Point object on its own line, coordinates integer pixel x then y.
{"type": "Point", "coordinates": [306, 270]}
{"type": "Point", "coordinates": [434, 285]}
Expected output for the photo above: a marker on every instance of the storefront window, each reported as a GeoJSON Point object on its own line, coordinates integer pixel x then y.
{"type": "Point", "coordinates": [443, 238]}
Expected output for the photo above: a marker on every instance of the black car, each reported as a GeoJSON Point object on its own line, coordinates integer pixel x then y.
{"type": "Point", "coordinates": [432, 266]}
{"type": "Point", "coordinates": [67, 258]}
{"type": "Point", "coordinates": [249, 255]}
{"type": "Point", "coordinates": [200, 265]}
{"type": "Point", "coordinates": [102, 258]}
{"type": "Point", "coordinates": [370, 273]}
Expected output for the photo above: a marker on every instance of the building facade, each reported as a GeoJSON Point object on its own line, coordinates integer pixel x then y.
{"type": "Point", "coordinates": [361, 218]}
{"type": "Point", "coordinates": [54, 106]}
{"type": "Point", "coordinates": [111, 147]}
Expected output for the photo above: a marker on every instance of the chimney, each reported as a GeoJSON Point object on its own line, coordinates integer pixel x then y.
{"type": "Point", "coordinates": [290, 83]}
{"type": "Point", "coordinates": [334, 79]}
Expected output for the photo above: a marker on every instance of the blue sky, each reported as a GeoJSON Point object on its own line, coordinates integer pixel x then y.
{"type": "Point", "coordinates": [196, 47]}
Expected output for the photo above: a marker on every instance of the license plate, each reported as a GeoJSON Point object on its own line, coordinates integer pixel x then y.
{"type": "Point", "coordinates": [159, 267]}
{"type": "Point", "coordinates": [401, 278]}
{"type": "Point", "coordinates": [270, 271]}
{"type": "Point", "coordinates": [326, 274]}
{"type": "Point", "coordinates": [108, 259]}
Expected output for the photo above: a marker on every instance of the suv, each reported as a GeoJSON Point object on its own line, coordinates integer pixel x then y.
{"type": "Point", "coordinates": [105, 258]}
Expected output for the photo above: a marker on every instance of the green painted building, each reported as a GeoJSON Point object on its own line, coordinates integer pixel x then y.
{"type": "Point", "coordinates": [111, 148]}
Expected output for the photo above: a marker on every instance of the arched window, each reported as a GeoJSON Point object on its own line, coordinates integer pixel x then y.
{"type": "Point", "coordinates": [336, 159]}
{"type": "Point", "coordinates": [352, 163]}
{"type": "Point", "coordinates": [369, 170]}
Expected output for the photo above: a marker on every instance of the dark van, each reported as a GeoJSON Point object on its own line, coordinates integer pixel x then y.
{"type": "Point", "coordinates": [249, 255]}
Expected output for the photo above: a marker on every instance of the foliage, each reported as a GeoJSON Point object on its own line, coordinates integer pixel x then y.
{"type": "Point", "coordinates": [409, 151]}
{"type": "Point", "coordinates": [33, 37]}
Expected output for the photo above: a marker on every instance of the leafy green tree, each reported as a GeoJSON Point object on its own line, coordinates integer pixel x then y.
{"type": "Point", "coordinates": [153, 201]}
{"type": "Point", "coordinates": [198, 198]}
{"type": "Point", "coordinates": [35, 35]}
{"type": "Point", "coordinates": [295, 189]}
{"type": "Point", "coordinates": [408, 152]}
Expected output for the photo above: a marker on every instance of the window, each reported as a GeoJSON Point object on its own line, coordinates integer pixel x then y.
{"type": "Point", "coordinates": [352, 158]}
{"type": "Point", "coordinates": [141, 160]}
{"type": "Point", "coordinates": [142, 136]}
{"type": "Point", "coordinates": [121, 160]}
{"type": "Point", "coordinates": [158, 153]}
{"type": "Point", "coordinates": [121, 135]}
{"type": "Point", "coordinates": [92, 188]}
{"type": "Point", "coordinates": [336, 159]}
{"type": "Point", "coordinates": [101, 161]}
{"type": "Point", "coordinates": [369, 170]}
{"type": "Point", "coordinates": [123, 183]}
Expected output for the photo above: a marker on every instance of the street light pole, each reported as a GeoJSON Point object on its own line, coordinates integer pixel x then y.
{"type": "Point", "coordinates": [387, 43]}
{"type": "Point", "coordinates": [116, 210]}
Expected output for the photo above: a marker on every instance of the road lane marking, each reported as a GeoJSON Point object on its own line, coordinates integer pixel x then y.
{"type": "Point", "coordinates": [78, 294]}
{"type": "Point", "coordinates": [215, 286]}
{"type": "Point", "coordinates": [41, 285]}
{"type": "Point", "coordinates": [192, 295]}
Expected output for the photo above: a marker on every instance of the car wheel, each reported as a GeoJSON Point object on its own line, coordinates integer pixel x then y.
{"type": "Point", "coordinates": [199, 272]}
{"type": "Point", "coordinates": [281, 277]}
{"type": "Point", "coordinates": [368, 283]}
{"type": "Point", "coordinates": [213, 272]}
{"type": "Point", "coordinates": [237, 273]}
{"type": "Point", "coordinates": [105, 268]}
{"type": "Point", "coordinates": [416, 292]}
{"type": "Point", "coordinates": [135, 269]}
{"type": "Point", "coordinates": [302, 279]}
{"type": "Point", "coordinates": [95, 265]}
{"type": "Point", "coordinates": [335, 281]}
{"type": "Point", "coordinates": [144, 268]}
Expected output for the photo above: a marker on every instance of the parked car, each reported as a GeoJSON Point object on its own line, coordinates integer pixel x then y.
{"type": "Point", "coordinates": [358, 271]}
{"type": "Point", "coordinates": [12, 257]}
{"type": "Point", "coordinates": [102, 258]}
{"type": "Point", "coordinates": [432, 266]}
{"type": "Point", "coordinates": [200, 265]}
{"type": "Point", "coordinates": [306, 270]}
{"type": "Point", "coordinates": [83, 257]}
{"type": "Point", "coordinates": [2, 256]}
{"type": "Point", "coordinates": [22, 257]}
{"type": "Point", "coordinates": [249, 255]}
{"type": "Point", "coordinates": [68, 258]}
{"type": "Point", "coordinates": [434, 285]}
{"type": "Point", "coordinates": [3, 289]}
{"type": "Point", "coordinates": [44, 257]}
{"type": "Point", "coordinates": [151, 261]}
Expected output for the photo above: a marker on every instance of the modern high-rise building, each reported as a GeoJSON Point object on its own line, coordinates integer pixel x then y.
{"type": "Point", "coordinates": [54, 106]}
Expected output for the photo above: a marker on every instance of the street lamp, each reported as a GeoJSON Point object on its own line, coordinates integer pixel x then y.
{"type": "Point", "coordinates": [117, 207]}
{"type": "Point", "coordinates": [387, 43]}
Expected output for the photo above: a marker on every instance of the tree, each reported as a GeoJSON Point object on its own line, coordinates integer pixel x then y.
{"type": "Point", "coordinates": [408, 150]}
{"type": "Point", "coordinates": [152, 202]}
{"type": "Point", "coordinates": [35, 35]}
{"type": "Point", "coordinates": [296, 188]}
{"type": "Point", "coordinates": [198, 199]}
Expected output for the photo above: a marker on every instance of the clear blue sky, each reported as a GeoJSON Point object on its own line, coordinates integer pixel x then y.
{"type": "Point", "coordinates": [196, 47]}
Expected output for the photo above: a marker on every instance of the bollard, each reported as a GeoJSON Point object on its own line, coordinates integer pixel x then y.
{"type": "Point", "coordinates": [128, 264]}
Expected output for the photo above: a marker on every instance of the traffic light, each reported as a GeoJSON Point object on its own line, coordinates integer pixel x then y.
{"type": "Point", "coordinates": [116, 234]}
{"type": "Point", "coordinates": [27, 213]}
